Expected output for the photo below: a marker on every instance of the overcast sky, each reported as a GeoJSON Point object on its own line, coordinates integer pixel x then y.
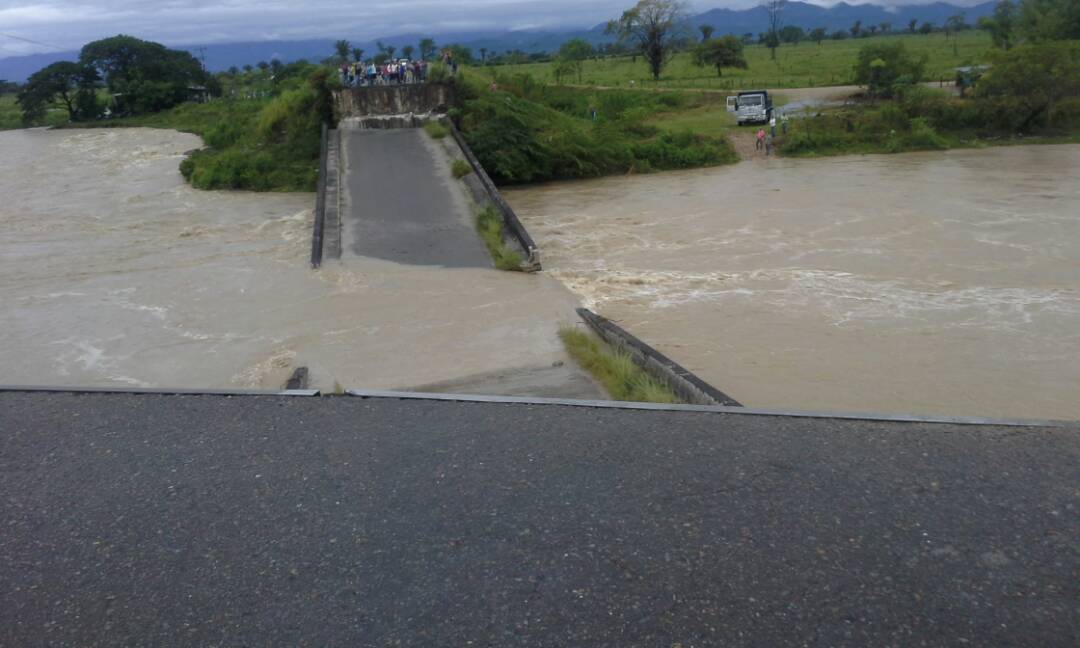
{"type": "Point", "coordinates": [28, 27]}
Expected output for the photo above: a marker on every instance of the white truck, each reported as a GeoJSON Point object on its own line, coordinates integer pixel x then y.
{"type": "Point", "coordinates": [751, 107]}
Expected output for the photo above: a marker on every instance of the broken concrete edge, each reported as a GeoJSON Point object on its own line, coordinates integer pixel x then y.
{"type": "Point", "coordinates": [513, 223]}
{"type": "Point", "coordinates": [711, 409]}
{"type": "Point", "coordinates": [320, 204]}
{"type": "Point", "coordinates": [561, 402]}
{"type": "Point", "coordinates": [159, 391]}
{"type": "Point", "coordinates": [394, 99]}
{"type": "Point", "coordinates": [680, 380]}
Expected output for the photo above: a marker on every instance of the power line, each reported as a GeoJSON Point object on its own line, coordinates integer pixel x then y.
{"type": "Point", "coordinates": [34, 42]}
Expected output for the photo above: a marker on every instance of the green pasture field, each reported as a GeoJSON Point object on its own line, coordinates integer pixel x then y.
{"type": "Point", "coordinates": [804, 65]}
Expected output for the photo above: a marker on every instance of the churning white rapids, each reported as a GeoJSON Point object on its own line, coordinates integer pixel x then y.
{"type": "Point", "coordinates": [928, 283]}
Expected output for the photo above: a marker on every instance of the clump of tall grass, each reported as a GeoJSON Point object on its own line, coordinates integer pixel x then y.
{"type": "Point", "coordinates": [615, 370]}
{"type": "Point", "coordinates": [436, 130]}
{"type": "Point", "coordinates": [460, 169]}
{"type": "Point", "coordinates": [489, 224]}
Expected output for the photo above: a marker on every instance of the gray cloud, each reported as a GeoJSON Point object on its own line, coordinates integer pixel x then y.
{"type": "Point", "coordinates": [33, 27]}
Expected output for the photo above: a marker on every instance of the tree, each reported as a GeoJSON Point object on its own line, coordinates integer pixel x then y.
{"type": "Point", "coordinates": [573, 54]}
{"type": "Point", "coordinates": [1033, 85]}
{"type": "Point", "coordinates": [233, 71]}
{"type": "Point", "coordinates": [926, 28]}
{"type": "Point", "coordinates": [342, 48]}
{"type": "Point", "coordinates": [775, 11]}
{"type": "Point", "coordinates": [856, 28]}
{"type": "Point", "coordinates": [883, 66]}
{"type": "Point", "coordinates": [912, 25]}
{"type": "Point", "coordinates": [873, 30]}
{"type": "Point", "coordinates": [1001, 24]}
{"type": "Point", "coordinates": [792, 34]}
{"type": "Point", "coordinates": [706, 32]}
{"type": "Point", "coordinates": [1046, 20]}
{"type": "Point", "coordinates": [653, 26]}
{"type": "Point", "coordinates": [427, 48]}
{"type": "Point", "coordinates": [839, 34]}
{"type": "Point", "coordinates": [275, 67]}
{"type": "Point", "coordinates": [64, 83]}
{"type": "Point", "coordinates": [357, 54]}
{"type": "Point", "coordinates": [720, 53]}
{"type": "Point", "coordinates": [818, 34]}
{"type": "Point", "coordinates": [483, 55]}
{"type": "Point", "coordinates": [247, 67]}
{"type": "Point", "coordinates": [886, 27]}
{"type": "Point", "coordinates": [408, 51]}
{"type": "Point", "coordinates": [390, 49]}
{"type": "Point", "coordinates": [262, 65]}
{"type": "Point", "coordinates": [144, 76]}
{"type": "Point", "coordinates": [955, 24]}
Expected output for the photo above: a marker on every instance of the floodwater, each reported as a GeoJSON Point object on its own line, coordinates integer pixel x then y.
{"type": "Point", "coordinates": [928, 283]}
{"type": "Point", "coordinates": [113, 272]}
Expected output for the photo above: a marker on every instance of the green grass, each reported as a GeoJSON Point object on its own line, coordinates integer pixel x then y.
{"type": "Point", "coordinates": [531, 132]}
{"type": "Point", "coordinates": [11, 115]}
{"type": "Point", "coordinates": [436, 130]}
{"type": "Point", "coordinates": [460, 168]}
{"type": "Point", "coordinates": [615, 370]}
{"type": "Point", "coordinates": [489, 224]}
{"type": "Point", "coordinates": [796, 66]}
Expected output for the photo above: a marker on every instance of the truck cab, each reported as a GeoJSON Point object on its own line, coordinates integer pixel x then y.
{"type": "Point", "coordinates": [751, 107]}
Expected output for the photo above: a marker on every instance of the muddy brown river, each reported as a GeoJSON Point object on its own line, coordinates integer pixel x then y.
{"type": "Point", "coordinates": [929, 283]}
{"type": "Point", "coordinates": [113, 272]}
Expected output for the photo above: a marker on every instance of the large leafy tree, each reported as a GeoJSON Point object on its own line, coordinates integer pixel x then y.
{"type": "Point", "coordinates": [64, 83]}
{"type": "Point", "coordinates": [1033, 85]}
{"type": "Point", "coordinates": [654, 27]}
{"type": "Point", "coordinates": [1001, 24]}
{"type": "Point", "coordinates": [720, 53]}
{"type": "Point", "coordinates": [572, 55]}
{"type": "Point", "coordinates": [883, 66]}
{"type": "Point", "coordinates": [1045, 20]}
{"type": "Point", "coordinates": [343, 48]}
{"type": "Point", "coordinates": [144, 76]}
{"type": "Point", "coordinates": [774, 9]}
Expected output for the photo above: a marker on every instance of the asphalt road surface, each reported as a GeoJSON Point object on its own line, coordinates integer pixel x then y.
{"type": "Point", "coordinates": [402, 203]}
{"type": "Point", "coordinates": [269, 521]}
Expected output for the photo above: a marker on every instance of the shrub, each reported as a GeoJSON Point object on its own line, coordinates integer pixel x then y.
{"type": "Point", "coordinates": [460, 168]}
{"type": "Point", "coordinates": [882, 67]}
{"type": "Point", "coordinates": [436, 130]}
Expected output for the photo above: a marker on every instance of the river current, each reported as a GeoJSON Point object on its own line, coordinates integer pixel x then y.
{"type": "Point", "coordinates": [114, 272]}
{"type": "Point", "coordinates": [927, 283]}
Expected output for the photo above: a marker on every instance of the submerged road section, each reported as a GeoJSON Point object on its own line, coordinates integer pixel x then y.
{"type": "Point", "coordinates": [402, 204]}
{"type": "Point", "coordinates": [262, 520]}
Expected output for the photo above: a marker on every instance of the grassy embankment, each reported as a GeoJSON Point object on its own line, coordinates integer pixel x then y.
{"type": "Point", "coordinates": [804, 65]}
{"type": "Point", "coordinates": [622, 379]}
{"type": "Point", "coordinates": [532, 132]}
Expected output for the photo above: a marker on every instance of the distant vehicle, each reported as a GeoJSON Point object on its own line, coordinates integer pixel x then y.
{"type": "Point", "coordinates": [751, 107]}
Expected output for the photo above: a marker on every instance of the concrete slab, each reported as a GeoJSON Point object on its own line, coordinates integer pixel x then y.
{"type": "Point", "coordinates": [402, 203]}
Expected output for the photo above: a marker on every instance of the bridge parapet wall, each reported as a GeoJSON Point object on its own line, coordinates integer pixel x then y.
{"type": "Point", "coordinates": [418, 98]}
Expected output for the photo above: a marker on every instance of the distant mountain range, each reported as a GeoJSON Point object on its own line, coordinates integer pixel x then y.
{"type": "Point", "coordinates": [222, 56]}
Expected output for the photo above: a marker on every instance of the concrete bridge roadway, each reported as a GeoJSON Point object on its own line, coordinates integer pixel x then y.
{"type": "Point", "coordinates": [401, 202]}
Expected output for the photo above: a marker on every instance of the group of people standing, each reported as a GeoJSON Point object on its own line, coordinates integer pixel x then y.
{"type": "Point", "coordinates": [355, 75]}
